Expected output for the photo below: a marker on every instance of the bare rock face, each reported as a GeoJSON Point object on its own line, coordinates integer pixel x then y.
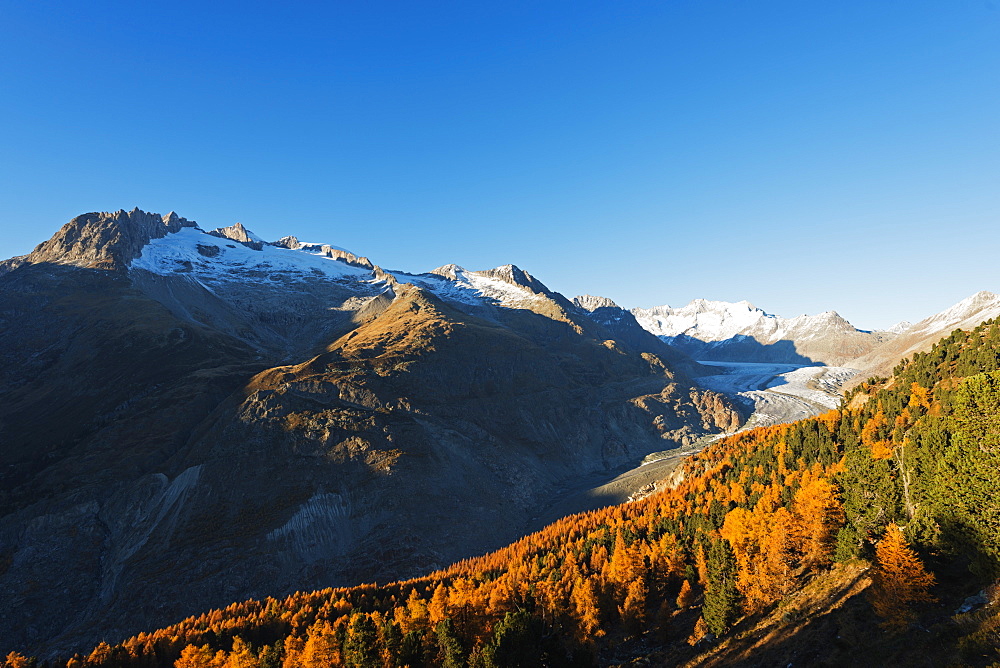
{"type": "Point", "coordinates": [215, 436]}
{"type": "Point", "coordinates": [326, 250]}
{"type": "Point", "coordinates": [105, 240]}
{"type": "Point", "coordinates": [240, 234]}
{"type": "Point", "coordinates": [289, 242]}
{"type": "Point", "coordinates": [449, 271]}
{"type": "Point", "coordinates": [592, 303]}
{"type": "Point", "coordinates": [510, 273]}
{"type": "Point", "coordinates": [623, 327]}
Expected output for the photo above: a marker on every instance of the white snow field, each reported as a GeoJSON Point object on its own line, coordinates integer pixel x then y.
{"type": "Point", "coordinates": [231, 260]}
{"type": "Point", "coordinates": [212, 260]}
{"type": "Point", "coordinates": [778, 392]}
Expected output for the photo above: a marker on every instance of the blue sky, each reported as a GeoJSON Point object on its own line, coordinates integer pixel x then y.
{"type": "Point", "coordinates": [805, 156]}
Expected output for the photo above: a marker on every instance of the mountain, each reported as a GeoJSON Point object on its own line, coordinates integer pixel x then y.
{"type": "Point", "coordinates": [917, 338]}
{"type": "Point", "coordinates": [860, 537]}
{"type": "Point", "coordinates": [191, 418]}
{"type": "Point", "coordinates": [740, 332]}
{"type": "Point", "coordinates": [624, 327]}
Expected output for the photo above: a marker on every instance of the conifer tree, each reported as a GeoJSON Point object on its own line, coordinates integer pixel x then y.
{"type": "Point", "coordinates": [450, 653]}
{"type": "Point", "coordinates": [320, 650]}
{"type": "Point", "coordinates": [721, 597]}
{"type": "Point", "coordinates": [686, 597]}
{"type": "Point", "coordinates": [969, 474]}
{"type": "Point", "coordinates": [361, 647]}
{"type": "Point", "coordinates": [193, 656]}
{"type": "Point", "coordinates": [437, 609]}
{"type": "Point", "coordinates": [585, 610]}
{"type": "Point", "coordinates": [900, 580]}
{"type": "Point", "coordinates": [699, 632]}
{"type": "Point", "coordinates": [633, 609]}
{"type": "Point", "coordinates": [241, 656]}
{"type": "Point", "coordinates": [517, 641]}
{"type": "Point", "coordinates": [17, 660]}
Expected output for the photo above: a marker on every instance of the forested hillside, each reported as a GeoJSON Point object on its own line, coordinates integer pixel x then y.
{"type": "Point", "coordinates": [847, 539]}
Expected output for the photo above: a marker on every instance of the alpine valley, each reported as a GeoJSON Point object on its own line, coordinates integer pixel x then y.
{"type": "Point", "coordinates": [232, 440]}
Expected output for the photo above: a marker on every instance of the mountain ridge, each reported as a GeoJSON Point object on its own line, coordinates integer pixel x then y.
{"type": "Point", "coordinates": [739, 331]}
{"type": "Point", "coordinates": [214, 421]}
{"type": "Point", "coordinates": [920, 337]}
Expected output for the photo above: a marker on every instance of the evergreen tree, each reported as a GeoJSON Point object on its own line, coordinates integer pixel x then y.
{"type": "Point", "coordinates": [450, 652]}
{"type": "Point", "coordinates": [969, 474]}
{"type": "Point", "coordinates": [392, 643]}
{"type": "Point", "coordinates": [270, 656]}
{"type": "Point", "coordinates": [721, 605]}
{"type": "Point", "coordinates": [361, 648]}
{"type": "Point", "coordinates": [517, 643]}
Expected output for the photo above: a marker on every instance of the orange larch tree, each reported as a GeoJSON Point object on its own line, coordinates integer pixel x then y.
{"type": "Point", "coordinates": [900, 580]}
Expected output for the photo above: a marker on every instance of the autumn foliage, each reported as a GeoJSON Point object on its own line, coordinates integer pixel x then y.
{"type": "Point", "coordinates": [753, 515]}
{"type": "Point", "coordinates": [900, 580]}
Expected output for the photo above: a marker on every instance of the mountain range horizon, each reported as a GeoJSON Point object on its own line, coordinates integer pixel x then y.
{"type": "Point", "coordinates": [689, 302]}
{"type": "Point", "coordinates": [217, 417]}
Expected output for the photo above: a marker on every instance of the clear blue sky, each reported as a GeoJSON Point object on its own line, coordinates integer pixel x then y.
{"type": "Point", "coordinates": [803, 155]}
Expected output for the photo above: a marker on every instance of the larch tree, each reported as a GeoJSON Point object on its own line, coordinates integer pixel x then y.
{"type": "Point", "coordinates": [241, 656]}
{"type": "Point", "coordinates": [194, 656]}
{"type": "Point", "coordinates": [900, 580]}
{"type": "Point", "coordinates": [686, 597]}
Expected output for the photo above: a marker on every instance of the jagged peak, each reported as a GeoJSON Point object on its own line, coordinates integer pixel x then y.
{"type": "Point", "coordinates": [981, 297]}
{"type": "Point", "coordinates": [510, 273]}
{"type": "Point", "coordinates": [593, 302]}
{"type": "Point", "coordinates": [380, 274]}
{"type": "Point", "coordinates": [106, 240]}
{"type": "Point", "coordinates": [701, 305]}
{"type": "Point", "coordinates": [899, 327]}
{"type": "Point", "coordinates": [326, 250]}
{"type": "Point", "coordinates": [240, 234]}
{"type": "Point", "coordinates": [449, 271]}
{"type": "Point", "coordinates": [718, 305]}
{"type": "Point", "coordinates": [289, 242]}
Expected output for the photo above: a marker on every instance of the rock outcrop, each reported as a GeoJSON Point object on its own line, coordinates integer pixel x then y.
{"type": "Point", "coordinates": [239, 234]}
{"type": "Point", "coordinates": [107, 241]}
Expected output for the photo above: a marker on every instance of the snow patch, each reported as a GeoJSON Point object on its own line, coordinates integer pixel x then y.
{"type": "Point", "coordinates": [213, 259]}
{"type": "Point", "coordinates": [471, 287]}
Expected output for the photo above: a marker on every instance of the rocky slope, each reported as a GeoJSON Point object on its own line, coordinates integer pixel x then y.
{"type": "Point", "coordinates": [212, 417]}
{"type": "Point", "coordinates": [920, 337]}
{"type": "Point", "coordinates": [740, 332]}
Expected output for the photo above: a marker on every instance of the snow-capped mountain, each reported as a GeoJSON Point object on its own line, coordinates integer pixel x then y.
{"type": "Point", "coordinates": [215, 417]}
{"type": "Point", "coordinates": [741, 332]}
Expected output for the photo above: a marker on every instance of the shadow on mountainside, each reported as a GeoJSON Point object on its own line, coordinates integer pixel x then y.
{"type": "Point", "coordinates": [741, 348]}
{"type": "Point", "coordinates": [147, 451]}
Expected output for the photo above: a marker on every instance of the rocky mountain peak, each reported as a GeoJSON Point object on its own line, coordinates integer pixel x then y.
{"type": "Point", "coordinates": [900, 327]}
{"type": "Point", "coordinates": [592, 302]}
{"type": "Point", "coordinates": [714, 330]}
{"type": "Point", "coordinates": [449, 271]}
{"type": "Point", "coordinates": [512, 274]}
{"type": "Point", "coordinates": [289, 242]}
{"type": "Point", "coordinates": [103, 240]}
{"type": "Point", "coordinates": [240, 234]}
